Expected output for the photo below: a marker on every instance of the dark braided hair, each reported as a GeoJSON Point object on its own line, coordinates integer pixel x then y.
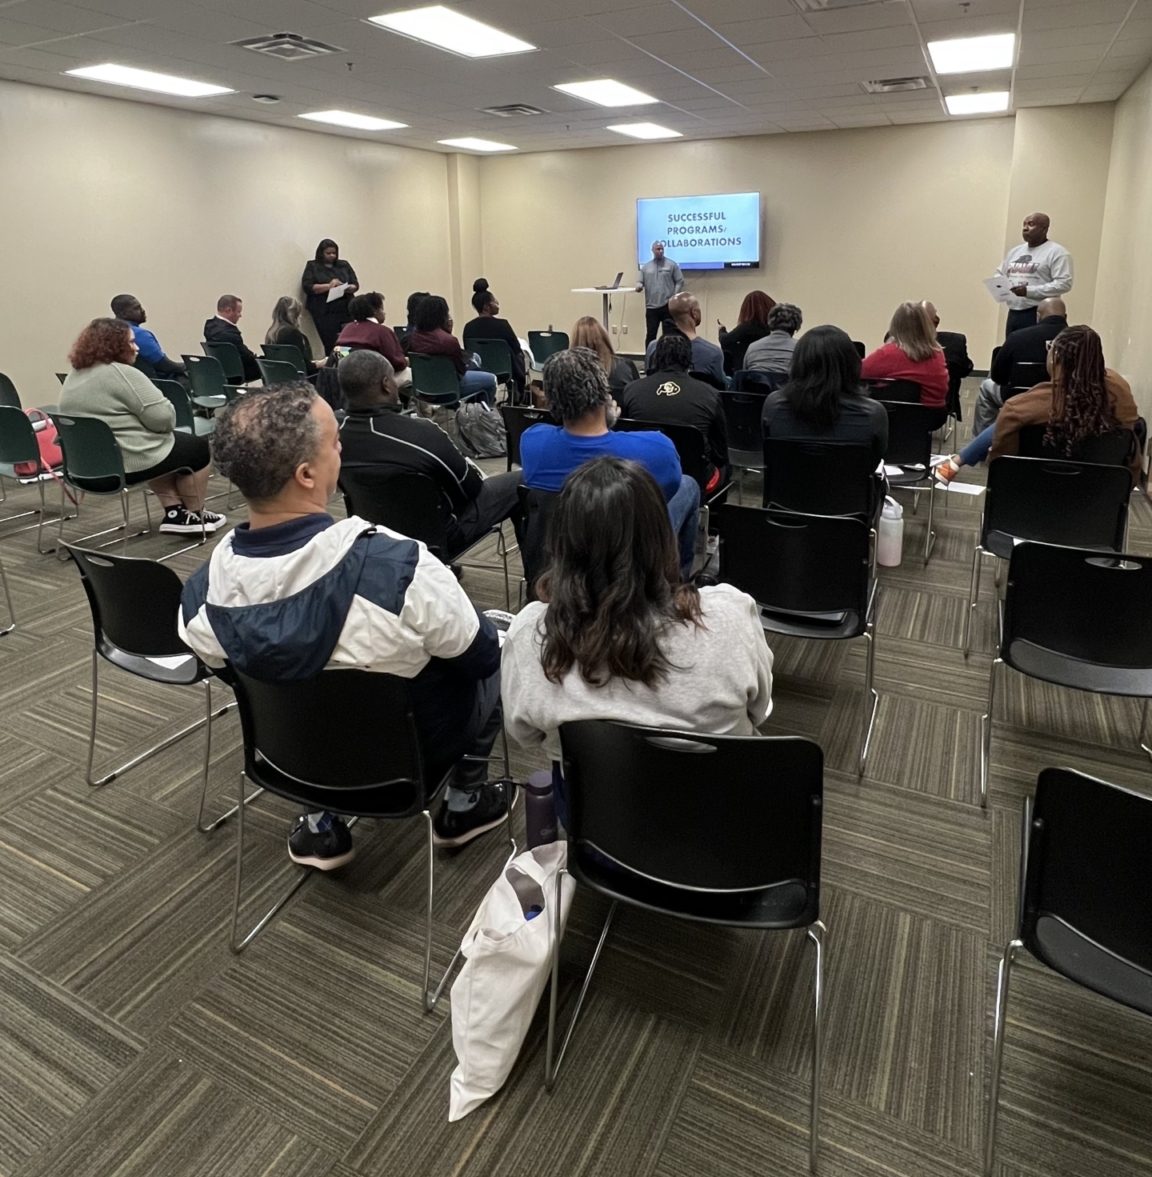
{"type": "Point", "coordinates": [1081, 407]}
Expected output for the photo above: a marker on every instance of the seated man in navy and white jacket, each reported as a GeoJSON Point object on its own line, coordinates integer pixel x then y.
{"type": "Point", "coordinates": [294, 591]}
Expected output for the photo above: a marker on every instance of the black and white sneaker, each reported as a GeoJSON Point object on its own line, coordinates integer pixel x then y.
{"type": "Point", "coordinates": [322, 841]}
{"type": "Point", "coordinates": [178, 521]}
{"type": "Point", "coordinates": [454, 828]}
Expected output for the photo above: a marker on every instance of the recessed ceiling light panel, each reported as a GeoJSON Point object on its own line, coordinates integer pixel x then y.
{"type": "Point", "coordinates": [440, 26]}
{"type": "Point", "coordinates": [988, 102]}
{"type": "Point", "coordinates": [348, 118]}
{"type": "Point", "coordinates": [606, 92]}
{"type": "Point", "coordinates": [645, 131]}
{"type": "Point", "coordinates": [972, 55]}
{"type": "Point", "coordinates": [146, 79]}
{"type": "Point", "coordinates": [469, 144]}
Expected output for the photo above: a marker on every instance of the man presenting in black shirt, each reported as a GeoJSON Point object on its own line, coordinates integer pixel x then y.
{"type": "Point", "coordinates": [376, 433]}
{"type": "Point", "coordinates": [668, 394]}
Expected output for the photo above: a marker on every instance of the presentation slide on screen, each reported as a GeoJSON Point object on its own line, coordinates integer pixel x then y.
{"type": "Point", "coordinates": [701, 232]}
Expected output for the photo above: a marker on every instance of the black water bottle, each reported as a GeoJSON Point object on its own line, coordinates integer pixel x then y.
{"type": "Point", "coordinates": [539, 809]}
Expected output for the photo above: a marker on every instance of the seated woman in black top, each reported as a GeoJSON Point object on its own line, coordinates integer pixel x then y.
{"type": "Point", "coordinates": [486, 325]}
{"type": "Point", "coordinates": [823, 399]}
{"type": "Point", "coordinates": [751, 325]}
{"type": "Point", "coordinates": [286, 328]}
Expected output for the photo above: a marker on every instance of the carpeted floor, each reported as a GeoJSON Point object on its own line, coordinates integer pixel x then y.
{"type": "Point", "coordinates": [134, 1044]}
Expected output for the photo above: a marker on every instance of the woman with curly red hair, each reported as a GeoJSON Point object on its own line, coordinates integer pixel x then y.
{"type": "Point", "coordinates": [104, 384]}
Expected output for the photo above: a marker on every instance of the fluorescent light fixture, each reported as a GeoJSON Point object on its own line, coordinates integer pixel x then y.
{"type": "Point", "coordinates": [986, 103]}
{"type": "Point", "coordinates": [348, 118]}
{"type": "Point", "coordinates": [440, 26]}
{"type": "Point", "coordinates": [467, 144]}
{"type": "Point", "coordinates": [145, 79]}
{"type": "Point", "coordinates": [645, 131]}
{"type": "Point", "coordinates": [972, 55]}
{"type": "Point", "coordinates": [606, 92]}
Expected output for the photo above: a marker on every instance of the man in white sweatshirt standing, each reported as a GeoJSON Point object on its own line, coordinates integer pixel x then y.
{"type": "Point", "coordinates": [1038, 269]}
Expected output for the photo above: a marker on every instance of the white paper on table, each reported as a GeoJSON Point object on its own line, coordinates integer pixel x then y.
{"type": "Point", "coordinates": [962, 488]}
{"type": "Point", "coordinates": [337, 291]}
{"type": "Point", "coordinates": [999, 287]}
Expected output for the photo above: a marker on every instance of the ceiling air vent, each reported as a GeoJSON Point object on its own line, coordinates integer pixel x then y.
{"type": "Point", "coordinates": [894, 85]}
{"type": "Point", "coordinates": [512, 109]}
{"type": "Point", "coordinates": [827, 5]}
{"type": "Point", "coordinates": [288, 46]}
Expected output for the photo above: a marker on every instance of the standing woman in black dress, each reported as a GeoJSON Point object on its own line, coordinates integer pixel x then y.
{"type": "Point", "coordinates": [326, 270]}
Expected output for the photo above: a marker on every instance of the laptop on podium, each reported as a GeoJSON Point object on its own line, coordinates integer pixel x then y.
{"type": "Point", "coordinates": [615, 285]}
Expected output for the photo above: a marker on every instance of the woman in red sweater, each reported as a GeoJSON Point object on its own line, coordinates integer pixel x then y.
{"type": "Point", "coordinates": [911, 353]}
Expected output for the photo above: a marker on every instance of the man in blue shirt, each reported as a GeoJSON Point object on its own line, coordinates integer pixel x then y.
{"type": "Point", "coordinates": [576, 387]}
{"type": "Point", "coordinates": [155, 362]}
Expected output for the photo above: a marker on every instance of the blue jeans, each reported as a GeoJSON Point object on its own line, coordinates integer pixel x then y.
{"type": "Point", "coordinates": [977, 449]}
{"type": "Point", "coordinates": [684, 511]}
{"type": "Point", "coordinates": [483, 382]}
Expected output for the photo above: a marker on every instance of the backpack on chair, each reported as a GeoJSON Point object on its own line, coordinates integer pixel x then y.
{"type": "Point", "coordinates": [481, 431]}
{"type": "Point", "coordinates": [51, 455]}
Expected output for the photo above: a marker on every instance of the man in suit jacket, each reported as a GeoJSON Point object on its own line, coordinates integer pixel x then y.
{"type": "Point", "coordinates": [955, 347]}
{"type": "Point", "coordinates": [221, 328]}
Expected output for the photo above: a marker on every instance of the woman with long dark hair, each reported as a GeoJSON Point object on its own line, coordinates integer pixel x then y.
{"type": "Point", "coordinates": [432, 336]}
{"type": "Point", "coordinates": [285, 327]}
{"type": "Point", "coordinates": [1083, 400]}
{"type": "Point", "coordinates": [823, 399]}
{"type": "Point", "coordinates": [751, 326]}
{"type": "Point", "coordinates": [617, 635]}
{"type": "Point", "coordinates": [326, 271]}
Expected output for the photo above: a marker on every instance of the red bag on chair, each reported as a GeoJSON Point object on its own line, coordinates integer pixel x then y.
{"type": "Point", "coordinates": [51, 456]}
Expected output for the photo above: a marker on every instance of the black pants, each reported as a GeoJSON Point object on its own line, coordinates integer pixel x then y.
{"type": "Point", "coordinates": [329, 325]}
{"type": "Point", "coordinates": [1017, 320]}
{"type": "Point", "coordinates": [653, 317]}
{"type": "Point", "coordinates": [499, 499]}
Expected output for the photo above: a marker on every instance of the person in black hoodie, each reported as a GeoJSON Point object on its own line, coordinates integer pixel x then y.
{"type": "Point", "coordinates": [327, 270]}
{"type": "Point", "coordinates": [487, 325]}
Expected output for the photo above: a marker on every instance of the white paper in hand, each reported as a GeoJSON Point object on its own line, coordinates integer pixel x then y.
{"type": "Point", "coordinates": [338, 291]}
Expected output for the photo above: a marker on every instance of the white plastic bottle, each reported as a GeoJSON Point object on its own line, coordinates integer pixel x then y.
{"type": "Point", "coordinates": [890, 535]}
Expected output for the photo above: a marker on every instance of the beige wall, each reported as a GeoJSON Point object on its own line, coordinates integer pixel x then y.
{"type": "Point", "coordinates": [1074, 196]}
{"type": "Point", "coordinates": [179, 207]}
{"type": "Point", "coordinates": [1124, 292]}
{"type": "Point", "coordinates": [855, 222]}
{"type": "Point", "coordinates": [102, 196]}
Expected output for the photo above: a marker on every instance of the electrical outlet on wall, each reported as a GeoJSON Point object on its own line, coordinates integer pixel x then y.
{"type": "Point", "coordinates": [615, 329]}
{"type": "Point", "coordinates": [624, 329]}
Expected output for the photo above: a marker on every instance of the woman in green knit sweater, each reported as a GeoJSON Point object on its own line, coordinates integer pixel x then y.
{"type": "Point", "coordinates": [103, 384]}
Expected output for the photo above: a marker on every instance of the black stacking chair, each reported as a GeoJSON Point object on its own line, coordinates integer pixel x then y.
{"type": "Point", "coordinates": [543, 344]}
{"type": "Point", "coordinates": [1085, 895]}
{"type": "Point", "coordinates": [18, 445]}
{"type": "Point", "coordinates": [861, 350]}
{"type": "Point", "coordinates": [811, 576]}
{"type": "Point", "coordinates": [909, 456]}
{"type": "Point", "coordinates": [228, 357]}
{"type": "Point", "coordinates": [274, 372]}
{"type": "Point", "coordinates": [743, 414]}
{"type": "Point", "coordinates": [495, 357]}
{"type": "Point", "coordinates": [518, 418]}
{"type": "Point", "coordinates": [1025, 375]}
{"type": "Point", "coordinates": [286, 353]}
{"type": "Point", "coordinates": [1078, 504]}
{"type": "Point", "coordinates": [821, 478]}
{"type": "Point", "coordinates": [692, 448]}
{"type": "Point", "coordinates": [8, 394]}
{"type": "Point", "coordinates": [134, 605]}
{"type": "Point", "coordinates": [412, 504]}
{"type": "Point", "coordinates": [905, 392]}
{"type": "Point", "coordinates": [538, 506]}
{"type": "Point", "coordinates": [754, 380]}
{"type": "Point", "coordinates": [1078, 618]}
{"type": "Point", "coordinates": [714, 829]}
{"type": "Point", "coordinates": [1117, 447]}
{"type": "Point", "coordinates": [289, 750]}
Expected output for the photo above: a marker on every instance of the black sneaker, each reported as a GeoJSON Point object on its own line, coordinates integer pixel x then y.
{"type": "Point", "coordinates": [327, 847]}
{"type": "Point", "coordinates": [458, 828]}
{"type": "Point", "coordinates": [178, 521]}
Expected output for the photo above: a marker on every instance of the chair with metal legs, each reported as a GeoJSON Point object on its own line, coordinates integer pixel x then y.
{"type": "Point", "coordinates": [290, 749]}
{"type": "Point", "coordinates": [7, 629]}
{"type": "Point", "coordinates": [1085, 895]}
{"type": "Point", "coordinates": [134, 605]}
{"type": "Point", "coordinates": [1075, 617]}
{"type": "Point", "coordinates": [93, 464]}
{"type": "Point", "coordinates": [1079, 504]}
{"type": "Point", "coordinates": [812, 576]}
{"type": "Point", "coordinates": [18, 445]}
{"type": "Point", "coordinates": [714, 829]}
